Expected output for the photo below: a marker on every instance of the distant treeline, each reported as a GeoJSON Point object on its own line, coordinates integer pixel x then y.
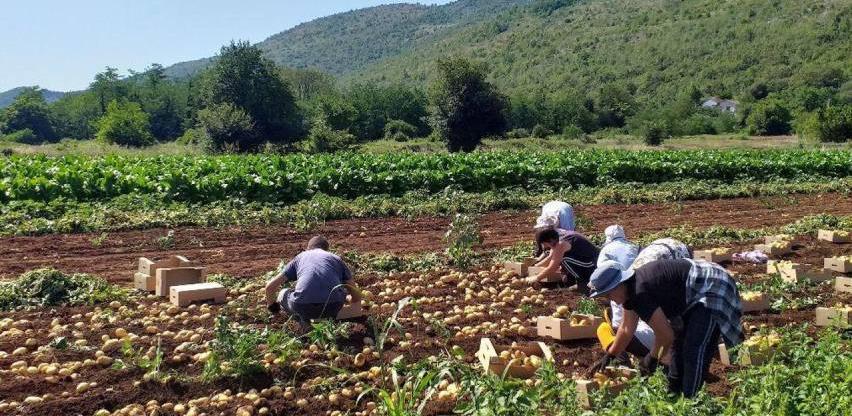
{"type": "Point", "coordinates": [244, 101]}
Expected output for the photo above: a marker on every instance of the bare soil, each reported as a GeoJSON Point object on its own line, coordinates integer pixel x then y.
{"type": "Point", "coordinates": [249, 252]}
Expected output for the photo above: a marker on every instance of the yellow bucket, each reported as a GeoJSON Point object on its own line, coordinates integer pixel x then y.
{"type": "Point", "coordinates": [606, 335]}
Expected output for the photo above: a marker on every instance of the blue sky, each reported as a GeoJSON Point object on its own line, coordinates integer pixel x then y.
{"type": "Point", "coordinates": [61, 44]}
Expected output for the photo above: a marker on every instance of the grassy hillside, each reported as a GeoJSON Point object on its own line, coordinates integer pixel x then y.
{"type": "Point", "coordinates": [7, 97]}
{"type": "Point", "coordinates": [347, 42]}
{"type": "Point", "coordinates": [659, 46]}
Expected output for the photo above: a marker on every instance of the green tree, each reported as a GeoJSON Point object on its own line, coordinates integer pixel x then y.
{"type": "Point", "coordinates": [614, 104]}
{"type": "Point", "coordinates": [324, 139]}
{"type": "Point", "coordinates": [30, 112]}
{"type": "Point", "coordinates": [108, 86]}
{"type": "Point", "coordinates": [830, 124]}
{"type": "Point", "coordinates": [125, 124]}
{"type": "Point", "coordinates": [769, 117]}
{"type": "Point", "coordinates": [465, 107]}
{"type": "Point", "coordinates": [226, 126]}
{"type": "Point", "coordinates": [243, 77]}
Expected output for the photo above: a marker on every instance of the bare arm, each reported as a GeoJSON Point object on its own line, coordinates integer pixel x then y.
{"type": "Point", "coordinates": [555, 259]}
{"type": "Point", "coordinates": [663, 333]}
{"type": "Point", "coordinates": [272, 288]}
{"type": "Point", "coordinates": [625, 333]}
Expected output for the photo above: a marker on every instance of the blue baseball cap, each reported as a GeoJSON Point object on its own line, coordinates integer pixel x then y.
{"type": "Point", "coordinates": [607, 277]}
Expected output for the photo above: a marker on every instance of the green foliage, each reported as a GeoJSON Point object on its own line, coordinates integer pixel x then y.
{"type": "Point", "coordinates": [540, 132]}
{"type": "Point", "coordinates": [241, 76]}
{"type": "Point", "coordinates": [226, 126]}
{"type": "Point", "coordinates": [399, 130]}
{"type": "Point", "coordinates": [29, 113]}
{"type": "Point", "coordinates": [235, 350]}
{"type": "Point", "coordinates": [49, 287]}
{"type": "Point", "coordinates": [654, 132]}
{"type": "Point", "coordinates": [326, 332]}
{"type": "Point", "coordinates": [461, 238]}
{"type": "Point", "coordinates": [294, 177]}
{"type": "Point", "coordinates": [375, 105]}
{"type": "Point", "coordinates": [323, 139]}
{"type": "Point", "coordinates": [769, 117]}
{"type": "Point", "coordinates": [125, 124]}
{"type": "Point", "coordinates": [465, 107]}
{"type": "Point", "coordinates": [830, 124]}
{"type": "Point", "coordinates": [25, 136]}
{"type": "Point", "coordinates": [811, 379]}
{"type": "Point", "coordinates": [588, 306]}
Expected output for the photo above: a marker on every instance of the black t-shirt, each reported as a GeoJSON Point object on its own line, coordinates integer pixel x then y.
{"type": "Point", "coordinates": [659, 284]}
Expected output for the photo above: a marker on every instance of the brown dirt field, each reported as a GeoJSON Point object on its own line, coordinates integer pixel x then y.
{"type": "Point", "coordinates": [248, 252]}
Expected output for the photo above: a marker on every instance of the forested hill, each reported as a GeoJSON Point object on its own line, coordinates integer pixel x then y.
{"type": "Point", "coordinates": [7, 97]}
{"type": "Point", "coordinates": [658, 46]}
{"type": "Point", "coordinates": [347, 42]}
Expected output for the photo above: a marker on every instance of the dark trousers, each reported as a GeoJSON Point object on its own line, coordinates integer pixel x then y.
{"type": "Point", "coordinates": [692, 351]}
{"type": "Point", "coordinates": [305, 312]}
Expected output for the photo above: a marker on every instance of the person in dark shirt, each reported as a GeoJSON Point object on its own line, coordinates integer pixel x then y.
{"type": "Point", "coordinates": [571, 252]}
{"type": "Point", "coordinates": [322, 282]}
{"type": "Point", "coordinates": [688, 304]}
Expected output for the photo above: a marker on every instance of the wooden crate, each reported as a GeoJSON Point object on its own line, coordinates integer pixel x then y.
{"type": "Point", "coordinates": [561, 329]}
{"type": "Point", "coordinates": [708, 255]}
{"type": "Point", "coordinates": [150, 267]}
{"type": "Point", "coordinates": [489, 357]}
{"type": "Point", "coordinates": [351, 311]}
{"type": "Point", "coordinates": [553, 278]}
{"type": "Point", "coordinates": [833, 236]}
{"type": "Point", "coordinates": [838, 264]}
{"type": "Point", "coordinates": [521, 268]}
{"type": "Point", "coordinates": [746, 356]}
{"type": "Point", "coordinates": [184, 295]}
{"type": "Point", "coordinates": [760, 304]}
{"type": "Point", "coordinates": [585, 388]}
{"type": "Point", "coordinates": [773, 251]}
{"type": "Point", "coordinates": [166, 278]}
{"type": "Point", "coordinates": [144, 282]}
{"type": "Point", "coordinates": [780, 237]}
{"type": "Point", "coordinates": [827, 316]}
{"type": "Point", "coordinates": [843, 284]}
{"type": "Point", "coordinates": [794, 272]}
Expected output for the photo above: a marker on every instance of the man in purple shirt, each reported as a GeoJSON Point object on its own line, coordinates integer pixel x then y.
{"type": "Point", "coordinates": [322, 283]}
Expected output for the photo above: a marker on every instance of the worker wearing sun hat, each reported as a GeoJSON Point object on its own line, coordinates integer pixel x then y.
{"type": "Point", "coordinates": [687, 303]}
{"type": "Point", "coordinates": [619, 249]}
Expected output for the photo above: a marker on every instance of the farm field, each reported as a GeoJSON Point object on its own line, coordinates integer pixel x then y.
{"type": "Point", "coordinates": [118, 351]}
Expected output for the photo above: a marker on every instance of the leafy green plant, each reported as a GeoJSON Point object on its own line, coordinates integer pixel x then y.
{"type": "Point", "coordinates": [50, 287]}
{"type": "Point", "coordinates": [234, 352]}
{"type": "Point", "coordinates": [587, 306]}
{"type": "Point", "coordinates": [326, 332]}
{"type": "Point", "coordinates": [167, 241]}
{"type": "Point", "coordinates": [461, 237]}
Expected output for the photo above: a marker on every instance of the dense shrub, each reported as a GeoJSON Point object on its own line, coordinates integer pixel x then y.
{"type": "Point", "coordinates": [769, 117]}
{"type": "Point", "coordinates": [226, 125]}
{"type": "Point", "coordinates": [323, 139]}
{"type": "Point", "coordinates": [540, 132]}
{"type": "Point", "coordinates": [25, 136]}
{"type": "Point", "coordinates": [831, 124]}
{"type": "Point", "coordinates": [654, 132]}
{"type": "Point", "coordinates": [125, 124]}
{"type": "Point", "coordinates": [399, 130]}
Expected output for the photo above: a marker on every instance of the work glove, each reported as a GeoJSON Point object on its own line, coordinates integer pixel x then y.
{"type": "Point", "coordinates": [648, 365]}
{"type": "Point", "coordinates": [600, 365]}
{"type": "Point", "coordinates": [274, 308]}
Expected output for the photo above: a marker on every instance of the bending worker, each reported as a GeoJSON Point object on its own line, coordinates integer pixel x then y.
{"type": "Point", "coordinates": [617, 248]}
{"type": "Point", "coordinates": [571, 253]}
{"type": "Point", "coordinates": [322, 283]}
{"type": "Point", "coordinates": [688, 304]}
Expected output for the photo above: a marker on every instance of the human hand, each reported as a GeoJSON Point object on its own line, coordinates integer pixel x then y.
{"type": "Point", "coordinates": [599, 365]}
{"type": "Point", "coordinates": [274, 308]}
{"type": "Point", "coordinates": [648, 365]}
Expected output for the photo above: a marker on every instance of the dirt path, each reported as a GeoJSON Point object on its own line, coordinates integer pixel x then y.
{"type": "Point", "coordinates": [253, 251]}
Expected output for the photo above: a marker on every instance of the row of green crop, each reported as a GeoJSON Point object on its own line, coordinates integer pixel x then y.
{"type": "Point", "coordinates": [291, 178]}
{"type": "Point", "coordinates": [130, 212]}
